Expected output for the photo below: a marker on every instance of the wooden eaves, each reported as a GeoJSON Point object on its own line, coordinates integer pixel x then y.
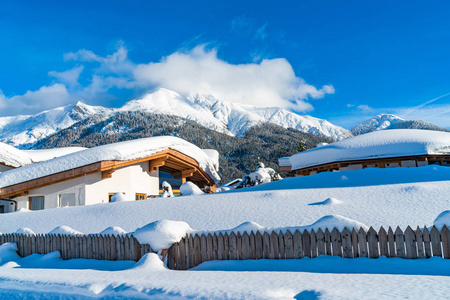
{"type": "Point", "coordinates": [170, 161]}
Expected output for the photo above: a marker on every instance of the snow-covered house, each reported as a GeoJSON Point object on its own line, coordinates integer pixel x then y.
{"type": "Point", "coordinates": [93, 175]}
{"type": "Point", "coordinates": [379, 149]}
{"type": "Point", "coordinates": [12, 158]}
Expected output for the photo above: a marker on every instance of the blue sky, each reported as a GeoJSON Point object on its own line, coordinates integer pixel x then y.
{"type": "Point", "coordinates": [344, 61]}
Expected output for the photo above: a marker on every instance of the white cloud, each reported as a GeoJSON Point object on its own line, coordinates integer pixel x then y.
{"type": "Point", "coordinates": [116, 63]}
{"type": "Point", "coordinates": [33, 101]}
{"type": "Point", "coordinates": [366, 108]}
{"type": "Point", "coordinates": [272, 82]}
{"type": "Point", "coordinates": [69, 77]}
{"type": "Point", "coordinates": [269, 82]}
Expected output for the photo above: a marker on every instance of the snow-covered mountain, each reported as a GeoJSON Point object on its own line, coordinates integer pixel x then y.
{"type": "Point", "coordinates": [219, 115]}
{"type": "Point", "coordinates": [387, 121]}
{"type": "Point", "coordinates": [231, 118]}
{"type": "Point", "coordinates": [22, 129]}
{"type": "Point", "coordinates": [379, 122]}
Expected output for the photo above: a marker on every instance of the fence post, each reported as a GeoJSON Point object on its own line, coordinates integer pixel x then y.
{"type": "Point", "coordinates": [209, 247]}
{"type": "Point", "coordinates": [281, 245]}
{"type": "Point", "coordinates": [347, 243]}
{"type": "Point", "coordinates": [298, 245]}
{"type": "Point", "coordinates": [420, 245]}
{"type": "Point", "coordinates": [336, 242]}
{"type": "Point", "coordinates": [320, 242]}
{"type": "Point", "coordinates": [203, 248]}
{"type": "Point", "coordinates": [289, 245]}
{"type": "Point", "coordinates": [445, 234]}
{"type": "Point", "coordinates": [436, 241]}
{"type": "Point", "coordinates": [410, 243]}
{"type": "Point", "coordinates": [259, 252]}
{"type": "Point", "coordinates": [355, 243]}
{"type": "Point", "coordinates": [372, 240]}
{"type": "Point", "coordinates": [382, 237]}
{"type": "Point", "coordinates": [362, 241]}
{"type": "Point", "coordinates": [233, 249]}
{"type": "Point", "coordinates": [245, 246]}
{"type": "Point", "coordinates": [220, 247]}
{"type": "Point", "coordinates": [400, 243]}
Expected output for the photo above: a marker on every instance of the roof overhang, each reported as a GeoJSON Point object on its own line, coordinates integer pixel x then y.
{"type": "Point", "coordinates": [170, 161]}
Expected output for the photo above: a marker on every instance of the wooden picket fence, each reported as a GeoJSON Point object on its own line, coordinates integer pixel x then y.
{"type": "Point", "coordinates": [92, 246]}
{"type": "Point", "coordinates": [421, 243]}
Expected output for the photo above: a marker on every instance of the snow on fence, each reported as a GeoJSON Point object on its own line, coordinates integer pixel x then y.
{"type": "Point", "coordinates": [93, 246]}
{"type": "Point", "coordinates": [421, 243]}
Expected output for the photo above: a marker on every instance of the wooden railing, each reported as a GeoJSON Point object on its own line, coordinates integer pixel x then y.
{"type": "Point", "coordinates": [420, 243]}
{"type": "Point", "coordinates": [92, 246]}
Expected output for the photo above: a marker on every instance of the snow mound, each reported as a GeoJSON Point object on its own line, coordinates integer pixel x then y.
{"type": "Point", "coordinates": [150, 262]}
{"type": "Point", "coordinates": [115, 230]}
{"type": "Point", "coordinates": [21, 210]}
{"type": "Point", "coordinates": [8, 252]}
{"type": "Point", "coordinates": [24, 230]}
{"type": "Point", "coordinates": [332, 221]}
{"type": "Point", "coordinates": [119, 197]}
{"type": "Point", "coordinates": [247, 227]}
{"type": "Point", "coordinates": [189, 188]}
{"type": "Point", "coordinates": [329, 201]}
{"type": "Point", "coordinates": [162, 234]}
{"type": "Point", "coordinates": [442, 219]}
{"type": "Point", "coordinates": [64, 230]}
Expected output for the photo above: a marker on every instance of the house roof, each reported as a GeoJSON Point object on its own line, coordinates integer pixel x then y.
{"type": "Point", "coordinates": [108, 157]}
{"type": "Point", "coordinates": [13, 157]}
{"type": "Point", "coordinates": [378, 144]}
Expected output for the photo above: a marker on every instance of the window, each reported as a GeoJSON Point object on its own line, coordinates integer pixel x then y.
{"type": "Point", "coordinates": [109, 196]}
{"type": "Point", "coordinates": [36, 203]}
{"type": "Point", "coordinates": [140, 196]}
{"type": "Point", "coordinates": [67, 200]}
{"type": "Point", "coordinates": [2, 209]}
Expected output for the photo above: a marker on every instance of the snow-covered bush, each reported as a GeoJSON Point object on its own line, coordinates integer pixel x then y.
{"type": "Point", "coordinates": [162, 234]}
{"type": "Point", "coordinates": [189, 188]}
{"type": "Point", "coordinates": [65, 230]}
{"type": "Point", "coordinates": [167, 190]}
{"type": "Point", "coordinates": [261, 175]}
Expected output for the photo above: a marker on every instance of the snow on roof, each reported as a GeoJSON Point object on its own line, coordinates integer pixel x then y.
{"type": "Point", "coordinates": [46, 154]}
{"type": "Point", "coordinates": [284, 162]}
{"type": "Point", "coordinates": [13, 157]}
{"type": "Point", "coordinates": [214, 156]}
{"type": "Point", "coordinates": [379, 144]}
{"type": "Point", "coordinates": [128, 150]}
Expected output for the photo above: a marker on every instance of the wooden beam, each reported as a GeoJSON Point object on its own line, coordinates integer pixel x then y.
{"type": "Point", "coordinates": [184, 173]}
{"type": "Point", "coordinates": [154, 164]}
{"type": "Point", "coordinates": [108, 173]}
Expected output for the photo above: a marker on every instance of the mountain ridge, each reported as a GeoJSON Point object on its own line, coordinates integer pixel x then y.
{"type": "Point", "coordinates": [219, 115]}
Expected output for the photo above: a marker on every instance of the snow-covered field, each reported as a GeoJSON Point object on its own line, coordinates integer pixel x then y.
{"type": "Point", "coordinates": [374, 197]}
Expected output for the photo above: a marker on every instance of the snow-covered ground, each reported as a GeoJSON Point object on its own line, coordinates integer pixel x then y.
{"type": "Point", "coordinates": [374, 197]}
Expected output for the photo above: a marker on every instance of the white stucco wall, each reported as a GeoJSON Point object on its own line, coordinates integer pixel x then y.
{"type": "Point", "coordinates": [8, 206]}
{"type": "Point", "coordinates": [92, 189]}
{"type": "Point", "coordinates": [128, 180]}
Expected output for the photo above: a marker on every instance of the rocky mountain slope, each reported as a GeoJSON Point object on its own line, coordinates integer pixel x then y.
{"type": "Point", "coordinates": [222, 116]}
